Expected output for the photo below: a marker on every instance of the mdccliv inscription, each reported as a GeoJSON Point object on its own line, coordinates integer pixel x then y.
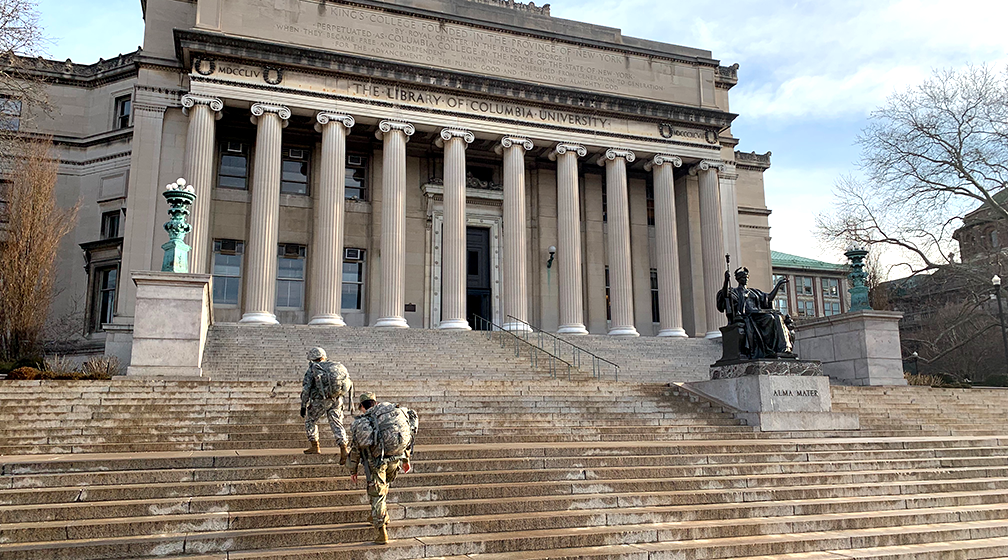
{"type": "Point", "coordinates": [453, 46]}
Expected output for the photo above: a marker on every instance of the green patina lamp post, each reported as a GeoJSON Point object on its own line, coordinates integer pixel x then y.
{"type": "Point", "coordinates": [858, 290]}
{"type": "Point", "coordinates": [180, 197]}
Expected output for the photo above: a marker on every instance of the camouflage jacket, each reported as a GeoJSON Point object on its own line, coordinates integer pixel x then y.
{"type": "Point", "coordinates": [310, 392]}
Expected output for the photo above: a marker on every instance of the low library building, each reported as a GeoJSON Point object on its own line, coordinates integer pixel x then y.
{"type": "Point", "coordinates": [406, 163]}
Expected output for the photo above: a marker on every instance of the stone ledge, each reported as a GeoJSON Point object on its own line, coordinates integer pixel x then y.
{"type": "Point", "coordinates": [743, 368]}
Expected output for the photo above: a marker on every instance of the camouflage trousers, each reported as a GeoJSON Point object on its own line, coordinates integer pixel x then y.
{"type": "Point", "coordinates": [331, 409]}
{"type": "Point", "coordinates": [377, 490]}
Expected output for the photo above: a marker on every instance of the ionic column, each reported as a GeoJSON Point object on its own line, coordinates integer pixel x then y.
{"type": "Point", "coordinates": [198, 168]}
{"type": "Point", "coordinates": [327, 245]}
{"type": "Point", "coordinates": [513, 149]}
{"type": "Point", "coordinates": [620, 279]}
{"type": "Point", "coordinates": [453, 247]}
{"type": "Point", "coordinates": [711, 241]}
{"type": "Point", "coordinates": [569, 233]}
{"type": "Point", "coordinates": [729, 216]}
{"type": "Point", "coordinates": [394, 135]}
{"type": "Point", "coordinates": [667, 246]}
{"type": "Point", "coordinates": [260, 286]}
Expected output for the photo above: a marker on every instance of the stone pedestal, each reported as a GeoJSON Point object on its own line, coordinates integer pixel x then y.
{"type": "Point", "coordinates": [858, 348]}
{"type": "Point", "coordinates": [775, 395]}
{"type": "Point", "coordinates": [170, 326]}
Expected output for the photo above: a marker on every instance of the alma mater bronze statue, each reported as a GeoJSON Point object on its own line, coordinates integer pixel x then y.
{"type": "Point", "coordinates": [758, 330]}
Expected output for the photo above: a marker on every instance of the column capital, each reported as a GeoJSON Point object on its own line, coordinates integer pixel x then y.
{"type": "Point", "coordinates": [663, 159]}
{"type": "Point", "coordinates": [562, 148]}
{"type": "Point", "coordinates": [260, 109]}
{"type": "Point", "coordinates": [707, 164]}
{"type": "Point", "coordinates": [388, 126]}
{"type": "Point", "coordinates": [190, 100]}
{"type": "Point", "coordinates": [323, 118]}
{"type": "Point", "coordinates": [448, 133]}
{"type": "Point", "coordinates": [508, 141]}
{"type": "Point", "coordinates": [612, 153]}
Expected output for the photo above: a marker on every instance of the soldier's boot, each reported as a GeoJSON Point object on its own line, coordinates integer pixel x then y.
{"type": "Point", "coordinates": [313, 448]}
{"type": "Point", "coordinates": [382, 535]}
{"type": "Point", "coordinates": [342, 453]}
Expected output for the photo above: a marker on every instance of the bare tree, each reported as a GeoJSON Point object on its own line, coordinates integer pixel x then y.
{"type": "Point", "coordinates": [28, 247]}
{"type": "Point", "coordinates": [929, 155]}
{"type": "Point", "coordinates": [21, 37]}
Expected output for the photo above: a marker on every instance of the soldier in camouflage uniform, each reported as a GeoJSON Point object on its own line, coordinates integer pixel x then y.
{"type": "Point", "coordinates": [314, 405]}
{"type": "Point", "coordinates": [379, 473]}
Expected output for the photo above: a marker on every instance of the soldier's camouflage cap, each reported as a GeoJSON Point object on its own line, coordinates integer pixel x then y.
{"type": "Point", "coordinates": [316, 354]}
{"type": "Point", "coordinates": [367, 397]}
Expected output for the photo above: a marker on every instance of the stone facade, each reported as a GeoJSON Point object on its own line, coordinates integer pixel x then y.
{"type": "Point", "coordinates": [331, 193]}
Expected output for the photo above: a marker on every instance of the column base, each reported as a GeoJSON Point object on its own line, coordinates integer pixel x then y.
{"type": "Point", "coordinates": [391, 323]}
{"type": "Point", "coordinates": [455, 325]}
{"type": "Point", "coordinates": [517, 327]}
{"type": "Point", "coordinates": [327, 321]}
{"type": "Point", "coordinates": [623, 331]}
{"type": "Point", "coordinates": [576, 328]}
{"type": "Point", "coordinates": [673, 333]}
{"type": "Point", "coordinates": [713, 335]}
{"type": "Point", "coordinates": [259, 318]}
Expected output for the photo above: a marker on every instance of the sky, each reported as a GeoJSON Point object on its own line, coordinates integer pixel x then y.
{"type": "Point", "coordinates": [810, 71]}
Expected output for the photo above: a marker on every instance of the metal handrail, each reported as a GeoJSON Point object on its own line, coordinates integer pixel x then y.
{"type": "Point", "coordinates": [553, 359]}
{"type": "Point", "coordinates": [575, 350]}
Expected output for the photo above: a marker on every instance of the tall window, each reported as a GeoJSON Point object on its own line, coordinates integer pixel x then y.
{"type": "Point", "coordinates": [4, 209]}
{"type": "Point", "coordinates": [831, 296]}
{"type": "Point", "coordinates": [290, 276]}
{"type": "Point", "coordinates": [353, 279]}
{"type": "Point", "coordinates": [780, 303]}
{"type": "Point", "coordinates": [233, 173]}
{"type": "Point", "coordinates": [10, 114]}
{"type": "Point", "coordinates": [227, 270]}
{"type": "Point", "coordinates": [655, 317]}
{"type": "Point", "coordinates": [649, 195]}
{"type": "Point", "coordinates": [110, 224]}
{"type": "Point", "coordinates": [605, 203]}
{"type": "Point", "coordinates": [804, 296]}
{"type": "Point", "coordinates": [608, 311]}
{"type": "Point", "coordinates": [123, 107]}
{"type": "Point", "coordinates": [294, 171]}
{"type": "Point", "coordinates": [104, 299]}
{"type": "Point", "coordinates": [356, 178]}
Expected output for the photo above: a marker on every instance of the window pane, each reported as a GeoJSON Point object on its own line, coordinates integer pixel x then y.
{"type": "Point", "coordinates": [351, 298]}
{"type": "Point", "coordinates": [291, 269]}
{"type": "Point", "coordinates": [234, 165]}
{"type": "Point", "coordinates": [352, 272]}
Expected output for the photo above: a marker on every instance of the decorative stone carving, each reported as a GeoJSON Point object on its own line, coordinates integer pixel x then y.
{"type": "Point", "coordinates": [259, 109]}
{"type": "Point", "coordinates": [766, 367]}
{"type": "Point", "coordinates": [562, 149]}
{"type": "Point", "coordinates": [324, 117]}
{"type": "Point", "coordinates": [662, 159]}
{"type": "Point", "coordinates": [385, 127]}
{"type": "Point", "coordinates": [612, 153]}
{"type": "Point", "coordinates": [706, 165]}
{"type": "Point", "coordinates": [449, 133]}
{"type": "Point", "coordinates": [531, 7]}
{"type": "Point", "coordinates": [190, 100]}
{"type": "Point", "coordinates": [509, 141]}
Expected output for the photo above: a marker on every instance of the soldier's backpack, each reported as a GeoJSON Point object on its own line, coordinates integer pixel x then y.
{"type": "Point", "coordinates": [387, 432]}
{"type": "Point", "coordinates": [332, 380]}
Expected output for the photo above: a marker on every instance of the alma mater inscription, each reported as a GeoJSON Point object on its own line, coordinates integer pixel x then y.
{"type": "Point", "coordinates": [440, 44]}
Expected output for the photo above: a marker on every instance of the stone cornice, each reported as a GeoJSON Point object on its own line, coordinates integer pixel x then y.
{"type": "Point", "coordinates": [67, 72]}
{"type": "Point", "coordinates": [321, 62]}
{"type": "Point", "coordinates": [752, 160]}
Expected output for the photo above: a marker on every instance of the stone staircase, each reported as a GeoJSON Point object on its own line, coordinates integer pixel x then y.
{"type": "Point", "coordinates": [510, 464]}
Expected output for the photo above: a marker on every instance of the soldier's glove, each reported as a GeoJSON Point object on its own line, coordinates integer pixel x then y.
{"type": "Point", "coordinates": [302, 411]}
